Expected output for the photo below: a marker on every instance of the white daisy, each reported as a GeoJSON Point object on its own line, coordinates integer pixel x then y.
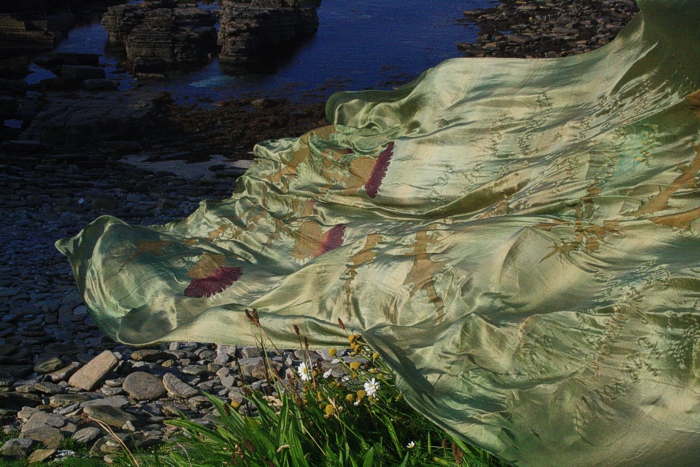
{"type": "Point", "coordinates": [304, 372]}
{"type": "Point", "coordinates": [371, 388]}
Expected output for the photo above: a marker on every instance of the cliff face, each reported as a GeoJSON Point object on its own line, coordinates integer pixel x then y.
{"type": "Point", "coordinates": [249, 28]}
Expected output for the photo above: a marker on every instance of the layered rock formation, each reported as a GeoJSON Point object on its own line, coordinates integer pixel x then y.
{"type": "Point", "coordinates": [159, 35]}
{"type": "Point", "coordinates": [248, 28]}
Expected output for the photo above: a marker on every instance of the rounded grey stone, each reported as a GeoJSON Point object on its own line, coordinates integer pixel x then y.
{"type": "Point", "coordinates": [144, 386]}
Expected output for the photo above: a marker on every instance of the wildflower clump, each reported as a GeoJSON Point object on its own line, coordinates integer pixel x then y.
{"type": "Point", "coordinates": [348, 414]}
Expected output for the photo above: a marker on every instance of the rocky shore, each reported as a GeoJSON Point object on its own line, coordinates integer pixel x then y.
{"type": "Point", "coordinates": [152, 162]}
{"type": "Point", "coordinates": [546, 29]}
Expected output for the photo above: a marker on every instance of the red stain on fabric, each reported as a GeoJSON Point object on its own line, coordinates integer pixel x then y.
{"type": "Point", "coordinates": [331, 239]}
{"type": "Point", "coordinates": [216, 282]}
{"type": "Point", "coordinates": [379, 171]}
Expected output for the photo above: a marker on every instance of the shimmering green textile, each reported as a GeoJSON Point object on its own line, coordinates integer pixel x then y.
{"type": "Point", "coordinates": [519, 239]}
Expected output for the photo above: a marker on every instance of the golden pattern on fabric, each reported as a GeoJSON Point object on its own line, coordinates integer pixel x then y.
{"type": "Point", "coordinates": [421, 275]}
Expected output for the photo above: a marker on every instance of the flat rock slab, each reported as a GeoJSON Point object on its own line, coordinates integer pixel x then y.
{"type": "Point", "coordinates": [48, 388]}
{"type": "Point", "coordinates": [64, 373]}
{"type": "Point", "coordinates": [111, 416]}
{"type": "Point", "coordinates": [87, 435]}
{"type": "Point", "coordinates": [89, 117]}
{"type": "Point", "coordinates": [40, 455]}
{"type": "Point", "coordinates": [48, 436]}
{"type": "Point", "coordinates": [94, 372]}
{"type": "Point", "coordinates": [177, 388]}
{"type": "Point", "coordinates": [144, 386]}
{"type": "Point", "coordinates": [42, 420]}
{"type": "Point", "coordinates": [149, 355]}
{"type": "Point", "coordinates": [117, 401]}
{"type": "Point", "coordinates": [47, 365]}
{"type": "Point", "coordinates": [64, 400]}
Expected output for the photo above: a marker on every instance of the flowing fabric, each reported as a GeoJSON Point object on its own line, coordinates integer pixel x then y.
{"type": "Point", "coordinates": [519, 239]}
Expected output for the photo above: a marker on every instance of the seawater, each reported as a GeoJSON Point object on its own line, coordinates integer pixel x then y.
{"type": "Point", "coordinates": [360, 44]}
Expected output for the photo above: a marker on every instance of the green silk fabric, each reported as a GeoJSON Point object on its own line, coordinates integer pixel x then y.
{"type": "Point", "coordinates": [518, 239]}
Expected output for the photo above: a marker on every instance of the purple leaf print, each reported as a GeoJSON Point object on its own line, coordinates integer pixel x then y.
{"type": "Point", "coordinates": [214, 283]}
{"type": "Point", "coordinates": [331, 239]}
{"type": "Point", "coordinates": [379, 171]}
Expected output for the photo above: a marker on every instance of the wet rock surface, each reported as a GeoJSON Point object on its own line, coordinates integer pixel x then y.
{"type": "Point", "coordinates": [58, 372]}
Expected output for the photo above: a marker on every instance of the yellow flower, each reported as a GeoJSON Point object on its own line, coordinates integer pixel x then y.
{"type": "Point", "coordinates": [352, 338]}
{"type": "Point", "coordinates": [319, 397]}
{"type": "Point", "coordinates": [320, 406]}
{"type": "Point", "coordinates": [235, 404]}
{"type": "Point", "coordinates": [375, 355]}
{"type": "Point", "coordinates": [350, 398]}
{"type": "Point", "coordinates": [354, 365]}
{"type": "Point", "coordinates": [361, 394]}
{"type": "Point", "coordinates": [330, 409]}
{"type": "Point", "coordinates": [332, 352]}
